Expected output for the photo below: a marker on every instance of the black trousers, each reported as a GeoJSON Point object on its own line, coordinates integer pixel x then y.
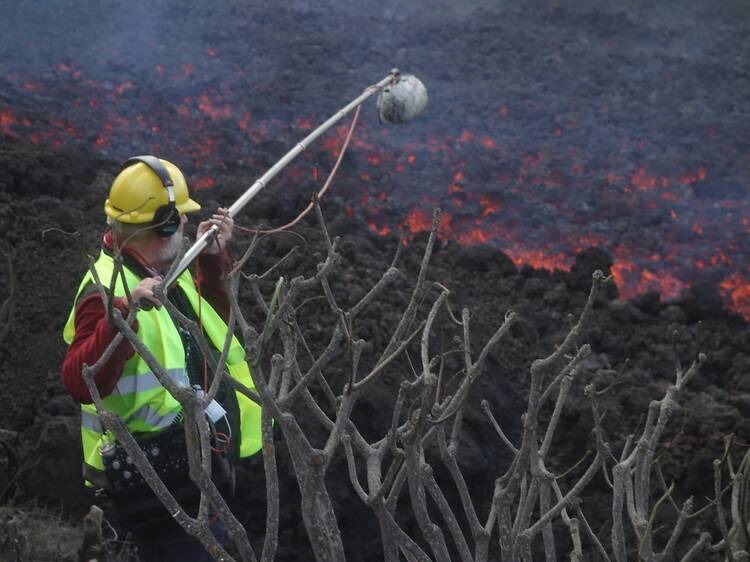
{"type": "Point", "coordinates": [168, 542]}
{"type": "Point", "coordinates": [157, 535]}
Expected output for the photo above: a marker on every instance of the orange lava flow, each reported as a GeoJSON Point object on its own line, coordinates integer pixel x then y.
{"type": "Point", "coordinates": [737, 289]}
{"type": "Point", "coordinates": [539, 259]}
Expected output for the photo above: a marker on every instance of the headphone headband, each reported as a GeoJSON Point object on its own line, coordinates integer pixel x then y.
{"type": "Point", "coordinates": [157, 167]}
{"type": "Point", "coordinates": [166, 218]}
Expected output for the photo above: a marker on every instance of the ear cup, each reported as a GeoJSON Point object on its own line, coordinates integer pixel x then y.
{"type": "Point", "coordinates": [166, 220]}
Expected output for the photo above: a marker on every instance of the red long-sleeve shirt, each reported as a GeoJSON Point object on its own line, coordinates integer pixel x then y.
{"type": "Point", "coordinates": [93, 332]}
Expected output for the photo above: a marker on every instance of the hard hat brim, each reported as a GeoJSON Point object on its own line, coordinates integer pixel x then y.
{"type": "Point", "coordinates": [188, 206]}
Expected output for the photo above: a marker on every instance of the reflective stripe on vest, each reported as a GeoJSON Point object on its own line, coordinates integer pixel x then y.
{"type": "Point", "coordinates": [148, 381]}
{"type": "Point", "coordinates": [139, 399]}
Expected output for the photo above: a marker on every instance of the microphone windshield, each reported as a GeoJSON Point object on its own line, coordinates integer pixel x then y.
{"type": "Point", "coordinates": [403, 100]}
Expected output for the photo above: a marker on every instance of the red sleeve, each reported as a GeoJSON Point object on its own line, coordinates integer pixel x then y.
{"type": "Point", "coordinates": [93, 333]}
{"type": "Point", "coordinates": [210, 280]}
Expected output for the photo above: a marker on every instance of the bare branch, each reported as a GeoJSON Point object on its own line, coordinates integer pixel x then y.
{"type": "Point", "coordinates": [448, 516]}
{"type": "Point", "coordinates": [550, 552]}
{"type": "Point", "coordinates": [700, 544]}
{"type": "Point", "coordinates": [498, 429]}
{"type": "Point", "coordinates": [271, 536]}
{"type": "Point", "coordinates": [381, 365]}
{"type": "Point", "coordinates": [408, 315]}
{"type": "Point", "coordinates": [668, 552]}
{"type": "Point", "coordinates": [449, 459]}
{"type": "Point", "coordinates": [569, 499]}
{"type": "Point", "coordinates": [540, 364]}
{"type": "Point", "coordinates": [720, 510]}
{"type": "Point", "coordinates": [351, 465]}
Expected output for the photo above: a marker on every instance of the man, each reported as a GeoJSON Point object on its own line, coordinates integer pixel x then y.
{"type": "Point", "coordinates": [147, 211]}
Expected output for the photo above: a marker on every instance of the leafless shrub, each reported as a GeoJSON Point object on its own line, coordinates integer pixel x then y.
{"type": "Point", "coordinates": [528, 499]}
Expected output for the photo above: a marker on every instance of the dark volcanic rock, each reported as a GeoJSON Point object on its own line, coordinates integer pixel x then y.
{"type": "Point", "coordinates": [35, 171]}
{"type": "Point", "coordinates": [702, 301]}
{"type": "Point", "coordinates": [586, 263]}
{"type": "Point", "coordinates": [54, 447]}
{"type": "Point", "coordinates": [633, 345]}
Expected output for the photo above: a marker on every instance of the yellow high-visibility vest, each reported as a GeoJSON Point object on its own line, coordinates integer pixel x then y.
{"type": "Point", "coordinates": [139, 399]}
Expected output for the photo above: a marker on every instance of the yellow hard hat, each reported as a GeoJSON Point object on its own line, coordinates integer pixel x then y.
{"type": "Point", "coordinates": [138, 191]}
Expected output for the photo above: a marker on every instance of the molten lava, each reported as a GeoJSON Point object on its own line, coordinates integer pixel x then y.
{"type": "Point", "coordinates": [666, 223]}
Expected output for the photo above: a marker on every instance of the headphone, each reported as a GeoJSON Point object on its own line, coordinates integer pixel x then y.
{"type": "Point", "coordinates": [167, 218]}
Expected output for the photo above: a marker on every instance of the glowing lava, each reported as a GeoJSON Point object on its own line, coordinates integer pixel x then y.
{"type": "Point", "coordinates": [541, 201]}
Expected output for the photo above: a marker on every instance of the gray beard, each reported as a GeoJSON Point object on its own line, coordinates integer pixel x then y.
{"type": "Point", "coordinates": [171, 250]}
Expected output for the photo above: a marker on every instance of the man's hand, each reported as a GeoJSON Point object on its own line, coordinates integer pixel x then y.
{"type": "Point", "coordinates": [226, 226]}
{"type": "Point", "coordinates": [144, 291]}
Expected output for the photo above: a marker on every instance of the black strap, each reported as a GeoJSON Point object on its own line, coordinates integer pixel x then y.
{"type": "Point", "coordinates": [155, 164]}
